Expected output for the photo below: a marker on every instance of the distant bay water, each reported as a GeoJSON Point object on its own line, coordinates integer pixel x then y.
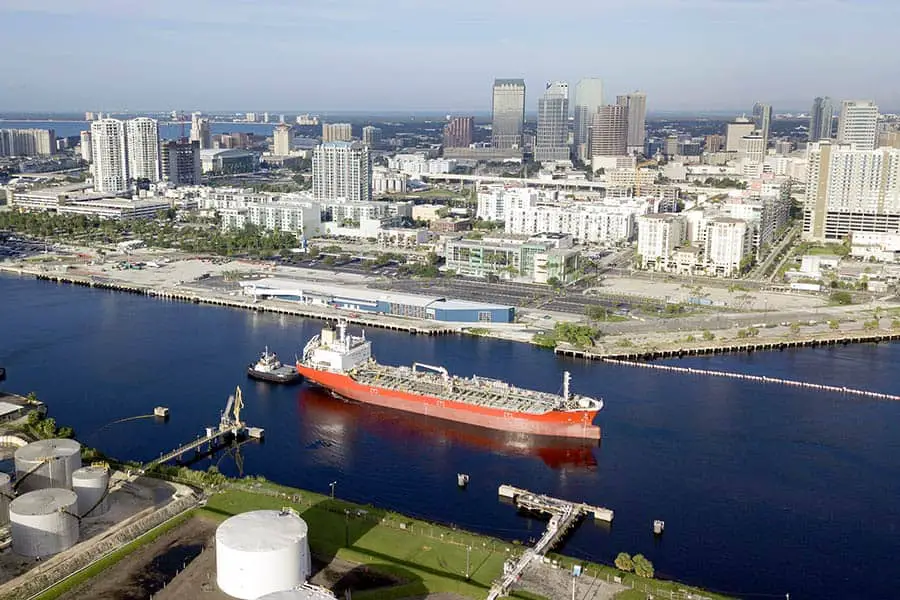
{"type": "Point", "coordinates": [167, 130]}
{"type": "Point", "coordinates": [765, 490]}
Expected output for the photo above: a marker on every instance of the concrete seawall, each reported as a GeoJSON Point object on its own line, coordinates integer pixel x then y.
{"type": "Point", "coordinates": [305, 311]}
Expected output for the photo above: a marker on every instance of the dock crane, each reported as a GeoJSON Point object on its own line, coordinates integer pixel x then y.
{"type": "Point", "coordinates": [231, 416]}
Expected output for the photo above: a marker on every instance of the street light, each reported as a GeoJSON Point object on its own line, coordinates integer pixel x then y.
{"type": "Point", "coordinates": [332, 484]}
{"type": "Point", "coordinates": [468, 548]}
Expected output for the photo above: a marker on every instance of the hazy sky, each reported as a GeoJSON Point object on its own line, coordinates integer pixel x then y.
{"type": "Point", "coordinates": [319, 55]}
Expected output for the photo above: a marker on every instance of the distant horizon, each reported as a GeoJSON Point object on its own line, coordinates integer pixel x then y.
{"type": "Point", "coordinates": [347, 54]}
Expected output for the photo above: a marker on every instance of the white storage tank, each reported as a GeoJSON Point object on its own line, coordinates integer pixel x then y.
{"type": "Point", "coordinates": [305, 592]}
{"type": "Point", "coordinates": [90, 484]}
{"type": "Point", "coordinates": [43, 522]}
{"type": "Point", "coordinates": [260, 552]}
{"type": "Point", "coordinates": [47, 464]}
{"type": "Point", "coordinates": [6, 495]}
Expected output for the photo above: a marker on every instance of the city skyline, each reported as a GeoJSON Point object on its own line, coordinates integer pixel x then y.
{"type": "Point", "coordinates": [368, 45]}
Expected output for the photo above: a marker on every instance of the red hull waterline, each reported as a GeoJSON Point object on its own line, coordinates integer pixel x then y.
{"type": "Point", "coordinates": [575, 424]}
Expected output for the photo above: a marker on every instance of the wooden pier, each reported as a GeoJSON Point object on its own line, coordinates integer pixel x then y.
{"type": "Point", "coordinates": [840, 339]}
{"type": "Point", "coordinates": [564, 515]}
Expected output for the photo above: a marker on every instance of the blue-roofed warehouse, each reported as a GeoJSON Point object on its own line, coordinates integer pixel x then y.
{"type": "Point", "coordinates": [378, 301]}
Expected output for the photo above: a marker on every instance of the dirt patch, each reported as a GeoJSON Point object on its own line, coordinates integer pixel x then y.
{"type": "Point", "coordinates": [553, 582]}
{"type": "Point", "coordinates": [145, 571]}
{"type": "Point", "coordinates": [340, 575]}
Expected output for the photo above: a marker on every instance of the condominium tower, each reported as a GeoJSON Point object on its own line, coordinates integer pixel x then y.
{"type": "Point", "coordinates": [142, 148]}
{"type": "Point", "coordinates": [820, 119]}
{"type": "Point", "coordinates": [200, 131]}
{"type": "Point", "coordinates": [551, 142]}
{"type": "Point", "coordinates": [849, 189]}
{"type": "Point", "coordinates": [458, 132]}
{"type": "Point", "coordinates": [342, 170]}
{"type": "Point", "coordinates": [762, 119]}
{"type": "Point", "coordinates": [609, 131]}
{"type": "Point", "coordinates": [508, 113]}
{"type": "Point", "coordinates": [588, 100]}
{"type": "Point", "coordinates": [110, 164]}
{"type": "Point", "coordinates": [281, 140]}
{"type": "Point", "coordinates": [337, 132]}
{"type": "Point", "coordinates": [636, 102]}
{"type": "Point", "coordinates": [858, 124]}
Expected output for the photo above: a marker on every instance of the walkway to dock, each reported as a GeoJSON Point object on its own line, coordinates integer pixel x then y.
{"type": "Point", "coordinates": [185, 448]}
{"type": "Point", "coordinates": [563, 516]}
{"type": "Point", "coordinates": [757, 378]}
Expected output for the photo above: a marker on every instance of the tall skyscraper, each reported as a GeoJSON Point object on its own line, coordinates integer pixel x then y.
{"type": "Point", "coordinates": [858, 124]}
{"type": "Point", "coordinates": [142, 144]}
{"type": "Point", "coordinates": [820, 119]}
{"type": "Point", "coordinates": [609, 131]}
{"type": "Point", "coordinates": [762, 119]}
{"type": "Point", "coordinates": [458, 132]}
{"type": "Point", "coordinates": [636, 102]}
{"type": "Point", "coordinates": [181, 162]}
{"type": "Point", "coordinates": [371, 136]}
{"type": "Point", "coordinates": [588, 100]}
{"type": "Point", "coordinates": [86, 150]}
{"type": "Point", "coordinates": [337, 132]}
{"type": "Point", "coordinates": [507, 113]}
{"type": "Point", "coordinates": [281, 140]}
{"type": "Point", "coordinates": [200, 131]}
{"type": "Point", "coordinates": [551, 141]}
{"type": "Point", "coordinates": [110, 168]}
{"type": "Point", "coordinates": [342, 170]}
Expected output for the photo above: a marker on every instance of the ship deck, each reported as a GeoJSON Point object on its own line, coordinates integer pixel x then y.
{"type": "Point", "coordinates": [484, 392]}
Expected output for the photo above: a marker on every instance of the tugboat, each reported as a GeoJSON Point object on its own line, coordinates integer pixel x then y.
{"type": "Point", "coordinates": [269, 368]}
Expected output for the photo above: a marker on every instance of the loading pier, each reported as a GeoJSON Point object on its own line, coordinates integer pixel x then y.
{"type": "Point", "coordinates": [564, 515]}
{"type": "Point", "coordinates": [229, 425]}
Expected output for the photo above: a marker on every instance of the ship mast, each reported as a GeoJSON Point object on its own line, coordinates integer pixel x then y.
{"type": "Point", "coordinates": [567, 378]}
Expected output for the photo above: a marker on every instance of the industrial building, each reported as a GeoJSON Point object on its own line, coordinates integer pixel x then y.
{"type": "Point", "coordinates": [228, 161]}
{"type": "Point", "coordinates": [379, 302]}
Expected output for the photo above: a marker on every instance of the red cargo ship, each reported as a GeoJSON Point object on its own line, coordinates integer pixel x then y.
{"type": "Point", "coordinates": [343, 364]}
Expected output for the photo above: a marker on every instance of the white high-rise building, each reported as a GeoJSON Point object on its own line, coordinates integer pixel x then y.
{"type": "Point", "coordinates": [508, 113]}
{"type": "Point", "coordinates": [588, 223]}
{"type": "Point", "coordinates": [588, 100]}
{"type": "Point", "coordinates": [551, 141]}
{"type": "Point", "coordinates": [281, 140]}
{"type": "Point", "coordinates": [728, 242]}
{"type": "Point", "coordinates": [848, 189]}
{"type": "Point", "coordinates": [87, 152]}
{"type": "Point", "coordinates": [110, 165]}
{"type": "Point", "coordinates": [753, 146]}
{"type": "Point", "coordinates": [495, 201]}
{"type": "Point", "coordinates": [342, 170]}
{"type": "Point", "coordinates": [658, 236]}
{"type": "Point", "coordinates": [142, 143]}
{"type": "Point", "coordinates": [858, 124]}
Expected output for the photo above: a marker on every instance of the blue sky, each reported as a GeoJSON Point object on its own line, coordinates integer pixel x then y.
{"type": "Point", "coordinates": [441, 55]}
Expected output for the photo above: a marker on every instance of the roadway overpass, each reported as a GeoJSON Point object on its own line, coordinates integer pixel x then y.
{"type": "Point", "coordinates": [555, 184]}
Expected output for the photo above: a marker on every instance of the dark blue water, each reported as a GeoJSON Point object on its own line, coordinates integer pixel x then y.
{"type": "Point", "coordinates": [764, 489]}
{"type": "Point", "coordinates": [167, 131]}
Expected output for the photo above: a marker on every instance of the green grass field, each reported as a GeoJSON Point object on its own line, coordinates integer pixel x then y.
{"type": "Point", "coordinates": [422, 556]}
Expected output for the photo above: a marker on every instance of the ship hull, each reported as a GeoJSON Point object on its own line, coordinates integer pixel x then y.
{"type": "Point", "coordinates": [574, 424]}
{"type": "Point", "coordinates": [280, 376]}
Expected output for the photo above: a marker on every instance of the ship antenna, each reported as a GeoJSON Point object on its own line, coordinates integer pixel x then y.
{"type": "Point", "coordinates": [567, 377]}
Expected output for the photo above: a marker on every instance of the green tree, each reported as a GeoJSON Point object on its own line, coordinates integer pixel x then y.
{"type": "Point", "coordinates": [554, 282]}
{"type": "Point", "coordinates": [871, 325]}
{"type": "Point", "coordinates": [841, 297]}
{"type": "Point", "coordinates": [642, 566]}
{"type": "Point", "coordinates": [795, 328]}
{"type": "Point", "coordinates": [624, 562]}
{"type": "Point", "coordinates": [833, 324]}
{"type": "Point", "coordinates": [708, 335]}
